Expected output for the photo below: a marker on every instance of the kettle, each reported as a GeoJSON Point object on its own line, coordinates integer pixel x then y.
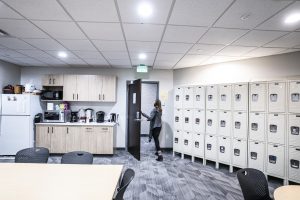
{"type": "Point", "coordinates": [89, 113]}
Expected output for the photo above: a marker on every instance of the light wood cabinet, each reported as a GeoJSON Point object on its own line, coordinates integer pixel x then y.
{"type": "Point", "coordinates": [53, 80]}
{"type": "Point", "coordinates": [95, 87]}
{"type": "Point", "coordinates": [43, 136]}
{"type": "Point", "coordinates": [58, 139]}
{"type": "Point", "coordinates": [109, 88]}
{"type": "Point", "coordinates": [69, 91]}
{"type": "Point", "coordinates": [82, 87]}
{"type": "Point", "coordinates": [105, 140]}
{"type": "Point", "coordinates": [73, 138]}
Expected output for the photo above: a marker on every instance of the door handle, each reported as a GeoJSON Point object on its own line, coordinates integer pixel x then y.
{"type": "Point", "coordinates": [103, 97]}
{"type": "Point", "coordinates": [99, 97]}
{"type": "Point", "coordinates": [48, 129]}
{"type": "Point", "coordinates": [77, 96]}
{"type": "Point", "coordinates": [49, 81]}
{"type": "Point", "coordinates": [52, 130]}
{"type": "Point", "coordinates": [73, 96]}
{"type": "Point", "coordinates": [138, 120]}
{"type": "Point", "coordinates": [67, 130]}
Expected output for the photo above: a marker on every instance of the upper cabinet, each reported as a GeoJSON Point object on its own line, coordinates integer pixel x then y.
{"type": "Point", "coordinates": [109, 85]}
{"type": "Point", "coordinates": [53, 80]}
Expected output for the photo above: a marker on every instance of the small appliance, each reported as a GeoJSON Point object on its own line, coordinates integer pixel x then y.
{"type": "Point", "coordinates": [59, 116]}
{"type": "Point", "coordinates": [74, 117]}
{"type": "Point", "coordinates": [29, 87]}
{"type": "Point", "coordinates": [81, 115]}
{"type": "Point", "coordinates": [52, 95]}
{"type": "Point", "coordinates": [38, 118]}
{"type": "Point", "coordinates": [89, 113]}
{"type": "Point", "coordinates": [100, 116]}
{"type": "Point", "coordinates": [113, 117]}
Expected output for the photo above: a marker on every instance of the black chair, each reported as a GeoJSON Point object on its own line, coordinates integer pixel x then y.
{"type": "Point", "coordinates": [254, 184]}
{"type": "Point", "coordinates": [126, 179]}
{"type": "Point", "coordinates": [77, 157]}
{"type": "Point", "coordinates": [32, 155]}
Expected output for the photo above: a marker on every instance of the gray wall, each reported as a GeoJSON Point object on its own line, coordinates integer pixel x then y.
{"type": "Point", "coordinates": [9, 74]}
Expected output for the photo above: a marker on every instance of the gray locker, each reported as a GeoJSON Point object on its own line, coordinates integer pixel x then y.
{"type": "Point", "coordinates": [256, 155]}
{"type": "Point", "coordinates": [187, 142]}
{"type": "Point", "coordinates": [240, 125]}
{"type": "Point", "coordinates": [188, 120]}
{"type": "Point", "coordinates": [198, 145]}
{"type": "Point", "coordinates": [178, 97]}
{"type": "Point", "coordinates": [188, 100]}
{"type": "Point", "coordinates": [211, 147]}
{"type": "Point", "coordinates": [239, 153]}
{"type": "Point", "coordinates": [294, 97]}
{"type": "Point", "coordinates": [225, 123]}
{"type": "Point", "coordinates": [224, 150]}
{"type": "Point", "coordinates": [225, 97]}
{"type": "Point", "coordinates": [257, 123]}
{"type": "Point", "coordinates": [294, 163]}
{"type": "Point", "coordinates": [199, 121]}
{"type": "Point", "coordinates": [177, 141]}
{"type": "Point", "coordinates": [211, 122]}
{"type": "Point", "coordinates": [276, 128]}
{"type": "Point", "coordinates": [240, 97]}
{"type": "Point", "coordinates": [211, 97]}
{"type": "Point", "coordinates": [178, 119]}
{"type": "Point", "coordinates": [258, 93]}
{"type": "Point", "coordinates": [277, 96]}
{"type": "Point", "coordinates": [275, 160]}
{"type": "Point", "coordinates": [199, 97]}
{"type": "Point", "coordinates": [294, 129]}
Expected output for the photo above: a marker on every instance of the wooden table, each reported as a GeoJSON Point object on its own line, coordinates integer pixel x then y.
{"type": "Point", "coordinates": [288, 192]}
{"type": "Point", "coordinates": [58, 181]}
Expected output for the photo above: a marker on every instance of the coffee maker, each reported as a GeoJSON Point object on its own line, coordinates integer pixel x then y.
{"type": "Point", "coordinates": [100, 116]}
{"type": "Point", "coordinates": [74, 116]}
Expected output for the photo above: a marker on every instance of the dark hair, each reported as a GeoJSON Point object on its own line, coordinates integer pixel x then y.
{"type": "Point", "coordinates": [157, 104]}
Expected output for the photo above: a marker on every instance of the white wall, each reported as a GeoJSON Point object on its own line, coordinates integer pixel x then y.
{"type": "Point", "coordinates": [265, 68]}
{"type": "Point", "coordinates": [165, 78]}
{"type": "Point", "coordinates": [9, 74]}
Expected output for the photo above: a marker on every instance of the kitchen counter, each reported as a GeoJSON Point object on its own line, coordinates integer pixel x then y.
{"type": "Point", "coordinates": [111, 124]}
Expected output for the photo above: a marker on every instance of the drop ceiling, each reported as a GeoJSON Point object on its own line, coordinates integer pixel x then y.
{"type": "Point", "coordinates": [110, 33]}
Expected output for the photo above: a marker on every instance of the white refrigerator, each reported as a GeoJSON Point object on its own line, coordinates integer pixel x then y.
{"type": "Point", "coordinates": [17, 113]}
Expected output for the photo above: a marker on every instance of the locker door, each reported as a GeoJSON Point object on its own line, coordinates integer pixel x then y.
{"type": "Point", "coordinates": [258, 93]}
{"type": "Point", "coordinates": [211, 97]}
{"type": "Point", "coordinates": [256, 155]}
{"type": "Point", "coordinates": [177, 143]}
{"type": "Point", "coordinates": [275, 163]}
{"type": "Point", "coordinates": [211, 147]}
{"type": "Point", "coordinates": [211, 122]}
{"type": "Point", "coordinates": [225, 97]}
{"type": "Point", "coordinates": [277, 97]}
{"type": "Point", "coordinates": [293, 163]}
{"type": "Point", "coordinates": [178, 97]}
{"type": "Point", "coordinates": [178, 119]}
{"type": "Point", "coordinates": [257, 126]}
{"type": "Point", "coordinates": [239, 153]}
{"type": "Point", "coordinates": [188, 97]}
{"type": "Point", "coordinates": [199, 97]}
{"type": "Point", "coordinates": [294, 97]}
{"type": "Point", "coordinates": [276, 128]}
{"type": "Point", "coordinates": [188, 120]}
{"type": "Point", "coordinates": [198, 145]}
{"type": "Point", "coordinates": [240, 97]}
{"type": "Point", "coordinates": [187, 140]}
{"type": "Point", "coordinates": [224, 150]}
{"type": "Point", "coordinates": [240, 125]}
{"type": "Point", "coordinates": [293, 130]}
{"type": "Point", "coordinates": [199, 121]}
{"type": "Point", "coordinates": [225, 123]}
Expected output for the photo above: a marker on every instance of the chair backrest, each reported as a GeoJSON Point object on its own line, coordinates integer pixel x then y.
{"type": "Point", "coordinates": [254, 184]}
{"type": "Point", "coordinates": [77, 157]}
{"type": "Point", "coordinates": [126, 179]}
{"type": "Point", "coordinates": [32, 155]}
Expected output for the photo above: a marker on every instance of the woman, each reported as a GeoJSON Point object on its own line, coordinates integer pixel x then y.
{"type": "Point", "coordinates": [155, 126]}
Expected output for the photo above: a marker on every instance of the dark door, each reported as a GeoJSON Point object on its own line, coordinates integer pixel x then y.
{"type": "Point", "coordinates": [134, 118]}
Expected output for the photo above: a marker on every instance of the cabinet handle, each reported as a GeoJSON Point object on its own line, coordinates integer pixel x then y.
{"type": "Point", "coordinates": [67, 130]}
{"type": "Point", "coordinates": [49, 81]}
{"type": "Point", "coordinates": [103, 97]}
{"type": "Point", "coordinates": [99, 97]}
{"type": "Point", "coordinates": [48, 129]}
{"type": "Point", "coordinates": [73, 96]}
{"type": "Point", "coordinates": [53, 81]}
{"type": "Point", "coordinates": [77, 96]}
{"type": "Point", "coordinates": [52, 130]}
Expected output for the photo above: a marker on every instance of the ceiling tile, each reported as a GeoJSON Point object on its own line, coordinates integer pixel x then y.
{"type": "Point", "coordinates": [143, 32]}
{"type": "Point", "coordinates": [11, 54]}
{"type": "Point", "coordinates": [235, 51]}
{"type": "Point", "coordinates": [61, 30]}
{"type": "Point", "coordinates": [39, 9]}
{"type": "Point", "coordinates": [129, 11]}
{"type": "Point", "coordinates": [221, 36]}
{"type": "Point", "coordinates": [45, 44]}
{"type": "Point", "coordinates": [75, 61]}
{"type": "Point", "coordinates": [118, 62]}
{"type": "Point", "coordinates": [149, 56]}
{"type": "Point", "coordinates": [161, 64]}
{"type": "Point", "coordinates": [191, 61]}
{"type": "Point", "coordinates": [14, 43]}
{"type": "Point", "coordinates": [115, 55]}
{"type": "Point", "coordinates": [264, 52]}
{"type": "Point", "coordinates": [35, 53]}
{"type": "Point", "coordinates": [70, 55]}
{"type": "Point", "coordinates": [256, 10]}
{"type": "Point", "coordinates": [102, 31]}
{"type": "Point", "coordinates": [104, 45]}
{"type": "Point", "coordinates": [52, 61]}
{"type": "Point", "coordinates": [145, 47]}
{"type": "Point", "coordinates": [183, 34]}
{"type": "Point", "coordinates": [220, 59]}
{"type": "Point", "coordinates": [80, 45]}
{"type": "Point", "coordinates": [174, 47]}
{"type": "Point", "coordinates": [96, 62]}
{"type": "Point", "coordinates": [92, 10]}
{"type": "Point", "coordinates": [290, 40]}
{"type": "Point", "coordinates": [30, 61]}
{"type": "Point", "coordinates": [122, 66]}
{"type": "Point", "coordinates": [277, 22]}
{"type": "Point", "coordinates": [169, 57]}
{"type": "Point", "coordinates": [143, 62]}
{"type": "Point", "coordinates": [290, 50]}
{"type": "Point", "coordinates": [206, 49]}
{"type": "Point", "coordinates": [197, 12]}
{"type": "Point", "coordinates": [8, 13]}
{"type": "Point", "coordinates": [88, 54]}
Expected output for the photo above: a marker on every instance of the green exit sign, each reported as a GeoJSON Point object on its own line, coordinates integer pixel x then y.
{"type": "Point", "coordinates": [142, 69]}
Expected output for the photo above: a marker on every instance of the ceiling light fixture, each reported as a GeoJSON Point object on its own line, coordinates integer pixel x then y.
{"type": "Point", "coordinates": [62, 54]}
{"type": "Point", "coordinates": [142, 56]}
{"type": "Point", "coordinates": [145, 9]}
{"type": "Point", "coordinates": [292, 18]}
{"type": "Point", "coordinates": [245, 16]}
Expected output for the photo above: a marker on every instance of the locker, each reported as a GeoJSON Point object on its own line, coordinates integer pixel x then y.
{"type": "Point", "coordinates": [256, 156]}
{"type": "Point", "coordinates": [258, 93]}
{"type": "Point", "coordinates": [211, 147]}
{"type": "Point", "coordinates": [277, 97]}
{"type": "Point", "coordinates": [276, 128]}
{"type": "Point", "coordinates": [187, 142]}
{"type": "Point", "coordinates": [225, 123]}
{"type": "Point", "coordinates": [199, 121]}
{"type": "Point", "coordinates": [177, 143]}
{"type": "Point", "coordinates": [178, 94]}
{"type": "Point", "coordinates": [294, 97]}
{"type": "Point", "coordinates": [224, 150]}
{"type": "Point", "coordinates": [211, 122]}
{"type": "Point", "coordinates": [225, 97]}
{"type": "Point", "coordinates": [188, 100]}
{"type": "Point", "coordinates": [240, 97]}
{"type": "Point", "coordinates": [239, 153]}
{"type": "Point", "coordinates": [257, 123]}
{"type": "Point", "coordinates": [199, 97]}
{"type": "Point", "coordinates": [294, 163]}
{"type": "Point", "coordinates": [187, 120]}
{"type": "Point", "coordinates": [211, 97]}
{"type": "Point", "coordinates": [178, 119]}
{"type": "Point", "coordinates": [293, 130]}
{"type": "Point", "coordinates": [240, 125]}
{"type": "Point", "coordinates": [275, 160]}
{"type": "Point", "coordinates": [198, 145]}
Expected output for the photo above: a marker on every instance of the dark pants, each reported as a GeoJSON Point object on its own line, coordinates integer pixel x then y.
{"type": "Point", "coordinates": [155, 134]}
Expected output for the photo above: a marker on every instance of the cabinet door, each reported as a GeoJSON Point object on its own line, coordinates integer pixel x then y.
{"type": "Point", "coordinates": [69, 87]}
{"type": "Point", "coordinates": [95, 88]}
{"type": "Point", "coordinates": [58, 139]}
{"type": "Point", "coordinates": [104, 140]}
{"type": "Point", "coordinates": [43, 136]}
{"type": "Point", "coordinates": [47, 80]}
{"type": "Point", "coordinates": [82, 88]}
{"type": "Point", "coordinates": [57, 80]}
{"type": "Point", "coordinates": [73, 138]}
{"type": "Point", "coordinates": [109, 88]}
{"type": "Point", "coordinates": [88, 139]}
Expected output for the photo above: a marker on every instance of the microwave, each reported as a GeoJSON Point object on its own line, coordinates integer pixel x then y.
{"type": "Point", "coordinates": [59, 116]}
{"type": "Point", "coordinates": [52, 95]}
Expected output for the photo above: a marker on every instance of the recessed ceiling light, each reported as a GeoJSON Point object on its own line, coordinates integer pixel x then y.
{"type": "Point", "coordinates": [142, 56]}
{"type": "Point", "coordinates": [292, 18]}
{"type": "Point", "coordinates": [145, 9]}
{"type": "Point", "coordinates": [245, 16]}
{"type": "Point", "coordinates": [62, 54]}
{"type": "Point", "coordinates": [200, 50]}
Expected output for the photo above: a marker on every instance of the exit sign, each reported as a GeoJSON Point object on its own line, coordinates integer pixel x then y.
{"type": "Point", "coordinates": [142, 69]}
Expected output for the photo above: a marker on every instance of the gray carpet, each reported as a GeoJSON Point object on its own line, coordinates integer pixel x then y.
{"type": "Point", "coordinates": [174, 178]}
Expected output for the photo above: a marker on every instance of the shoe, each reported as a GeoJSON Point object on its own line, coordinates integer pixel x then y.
{"type": "Point", "coordinates": [160, 158]}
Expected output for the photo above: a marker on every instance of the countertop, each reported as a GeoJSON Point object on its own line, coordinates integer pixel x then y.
{"type": "Point", "coordinates": [78, 124]}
